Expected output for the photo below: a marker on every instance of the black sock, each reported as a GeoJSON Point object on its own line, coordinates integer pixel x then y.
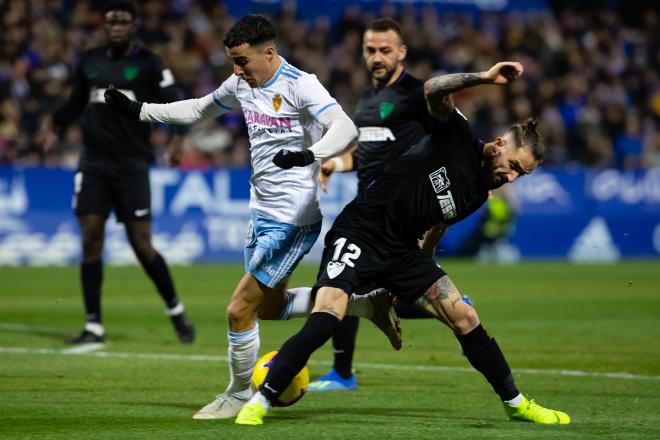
{"type": "Point", "coordinates": [160, 275]}
{"type": "Point", "coordinates": [408, 311]}
{"type": "Point", "coordinates": [91, 276]}
{"type": "Point", "coordinates": [295, 353]}
{"type": "Point", "coordinates": [343, 343]}
{"type": "Point", "coordinates": [486, 357]}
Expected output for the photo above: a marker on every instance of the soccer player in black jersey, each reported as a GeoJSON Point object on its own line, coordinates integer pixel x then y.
{"type": "Point", "coordinates": [442, 179]}
{"type": "Point", "coordinates": [113, 171]}
{"type": "Point", "coordinates": [391, 116]}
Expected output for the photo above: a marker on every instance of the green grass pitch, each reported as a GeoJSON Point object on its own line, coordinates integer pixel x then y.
{"type": "Point", "coordinates": [564, 328]}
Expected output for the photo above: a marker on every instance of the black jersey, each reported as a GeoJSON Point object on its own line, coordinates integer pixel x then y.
{"type": "Point", "coordinates": [113, 142]}
{"type": "Point", "coordinates": [390, 120]}
{"type": "Point", "coordinates": [436, 180]}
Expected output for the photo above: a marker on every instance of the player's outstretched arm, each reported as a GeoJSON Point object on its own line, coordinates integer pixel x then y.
{"type": "Point", "coordinates": [438, 90]}
{"type": "Point", "coordinates": [178, 112]}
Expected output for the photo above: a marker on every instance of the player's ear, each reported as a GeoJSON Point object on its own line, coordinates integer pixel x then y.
{"type": "Point", "coordinates": [403, 51]}
{"type": "Point", "coordinates": [269, 51]}
{"type": "Point", "coordinates": [498, 144]}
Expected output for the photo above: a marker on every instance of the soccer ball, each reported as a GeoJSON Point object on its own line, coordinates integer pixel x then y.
{"type": "Point", "coordinates": [293, 392]}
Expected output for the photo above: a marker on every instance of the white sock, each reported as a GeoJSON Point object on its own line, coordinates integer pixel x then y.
{"type": "Point", "coordinates": [258, 397]}
{"type": "Point", "coordinates": [515, 401]}
{"type": "Point", "coordinates": [95, 328]}
{"type": "Point", "coordinates": [361, 306]}
{"type": "Point", "coordinates": [242, 352]}
{"type": "Point", "coordinates": [298, 304]}
{"type": "Point", "coordinates": [176, 310]}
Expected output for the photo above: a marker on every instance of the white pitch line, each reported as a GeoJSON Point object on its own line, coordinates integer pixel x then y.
{"type": "Point", "coordinates": [32, 328]}
{"type": "Point", "coordinates": [216, 358]}
{"type": "Point", "coordinates": [84, 348]}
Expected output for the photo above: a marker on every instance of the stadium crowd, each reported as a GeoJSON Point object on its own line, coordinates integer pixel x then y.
{"type": "Point", "coordinates": [593, 81]}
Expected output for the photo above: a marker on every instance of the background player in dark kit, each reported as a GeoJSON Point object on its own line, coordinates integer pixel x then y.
{"type": "Point", "coordinates": [391, 116]}
{"type": "Point", "coordinates": [113, 171]}
{"type": "Point", "coordinates": [442, 179]}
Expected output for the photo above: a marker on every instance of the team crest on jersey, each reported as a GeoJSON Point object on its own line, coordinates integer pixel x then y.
{"type": "Point", "coordinates": [385, 109]}
{"type": "Point", "coordinates": [334, 268]}
{"type": "Point", "coordinates": [439, 180]}
{"type": "Point", "coordinates": [131, 72]}
{"type": "Point", "coordinates": [277, 101]}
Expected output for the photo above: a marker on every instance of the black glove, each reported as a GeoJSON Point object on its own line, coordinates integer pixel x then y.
{"type": "Point", "coordinates": [288, 159]}
{"type": "Point", "coordinates": [122, 104]}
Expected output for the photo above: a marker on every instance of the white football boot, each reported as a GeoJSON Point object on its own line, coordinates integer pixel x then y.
{"type": "Point", "coordinates": [225, 406]}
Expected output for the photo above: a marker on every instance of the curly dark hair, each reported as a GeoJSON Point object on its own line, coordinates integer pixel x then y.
{"type": "Point", "coordinates": [121, 5]}
{"type": "Point", "coordinates": [252, 29]}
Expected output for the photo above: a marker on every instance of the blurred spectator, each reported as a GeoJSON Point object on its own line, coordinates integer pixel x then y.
{"type": "Point", "coordinates": [593, 81]}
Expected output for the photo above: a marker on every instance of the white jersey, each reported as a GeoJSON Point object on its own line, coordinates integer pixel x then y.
{"type": "Point", "coordinates": [280, 114]}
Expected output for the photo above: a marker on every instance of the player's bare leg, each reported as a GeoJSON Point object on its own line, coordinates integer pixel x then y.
{"type": "Point", "coordinates": [444, 302]}
{"type": "Point", "coordinates": [139, 236]}
{"type": "Point", "coordinates": [92, 231]}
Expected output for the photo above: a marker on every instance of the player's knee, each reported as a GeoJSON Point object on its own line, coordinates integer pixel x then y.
{"type": "Point", "coordinates": [143, 249]}
{"type": "Point", "coordinates": [239, 314]}
{"type": "Point", "coordinates": [92, 246]}
{"type": "Point", "coordinates": [467, 321]}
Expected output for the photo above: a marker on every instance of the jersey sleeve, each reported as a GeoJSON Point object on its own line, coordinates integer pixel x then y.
{"type": "Point", "coordinates": [311, 96]}
{"type": "Point", "coordinates": [225, 95]}
{"type": "Point", "coordinates": [163, 82]}
{"type": "Point", "coordinates": [77, 101]}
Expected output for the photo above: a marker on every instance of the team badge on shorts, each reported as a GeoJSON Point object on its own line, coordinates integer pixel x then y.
{"type": "Point", "coordinates": [334, 268]}
{"type": "Point", "coordinates": [277, 101]}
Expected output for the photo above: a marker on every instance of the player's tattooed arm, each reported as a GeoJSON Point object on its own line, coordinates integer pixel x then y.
{"type": "Point", "coordinates": [438, 90]}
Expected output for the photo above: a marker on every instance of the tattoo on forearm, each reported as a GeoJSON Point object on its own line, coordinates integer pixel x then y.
{"type": "Point", "coordinates": [438, 91]}
{"type": "Point", "coordinates": [451, 83]}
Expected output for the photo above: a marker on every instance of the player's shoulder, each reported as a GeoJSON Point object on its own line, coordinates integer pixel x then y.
{"type": "Point", "coordinates": [294, 78]}
{"type": "Point", "coordinates": [456, 126]}
{"type": "Point", "coordinates": [94, 52]}
{"type": "Point", "coordinates": [411, 82]}
{"type": "Point", "coordinates": [146, 55]}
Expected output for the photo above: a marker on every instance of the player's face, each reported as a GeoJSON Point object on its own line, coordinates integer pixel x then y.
{"type": "Point", "coordinates": [254, 64]}
{"type": "Point", "coordinates": [119, 27]}
{"type": "Point", "coordinates": [504, 162]}
{"type": "Point", "coordinates": [383, 52]}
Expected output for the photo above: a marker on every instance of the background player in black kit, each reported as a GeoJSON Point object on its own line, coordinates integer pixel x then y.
{"type": "Point", "coordinates": [113, 171]}
{"type": "Point", "coordinates": [442, 179]}
{"type": "Point", "coordinates": [391, 116]}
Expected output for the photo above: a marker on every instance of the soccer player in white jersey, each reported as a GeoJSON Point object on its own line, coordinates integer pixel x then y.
{"type": "Point", "coordinates": [284, 108]}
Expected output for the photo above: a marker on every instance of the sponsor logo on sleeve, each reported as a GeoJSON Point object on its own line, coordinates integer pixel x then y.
{"type": "Point", "coordinates": [439, 180]}
{"type": "Point", "coordinates": [447, 205]}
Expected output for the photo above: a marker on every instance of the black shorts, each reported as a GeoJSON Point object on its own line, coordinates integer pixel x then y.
{"type": "Point", "coordinates": [128, 193]}
{"type": "Point", "coordinates": [349, 264]}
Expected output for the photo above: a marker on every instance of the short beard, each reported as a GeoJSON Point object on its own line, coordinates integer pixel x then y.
{"type": "Point", "coordinates": [382, 81]}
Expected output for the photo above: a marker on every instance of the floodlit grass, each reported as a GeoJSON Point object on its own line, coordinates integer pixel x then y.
{"type": "Point", "coordinates": [545, 316]}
